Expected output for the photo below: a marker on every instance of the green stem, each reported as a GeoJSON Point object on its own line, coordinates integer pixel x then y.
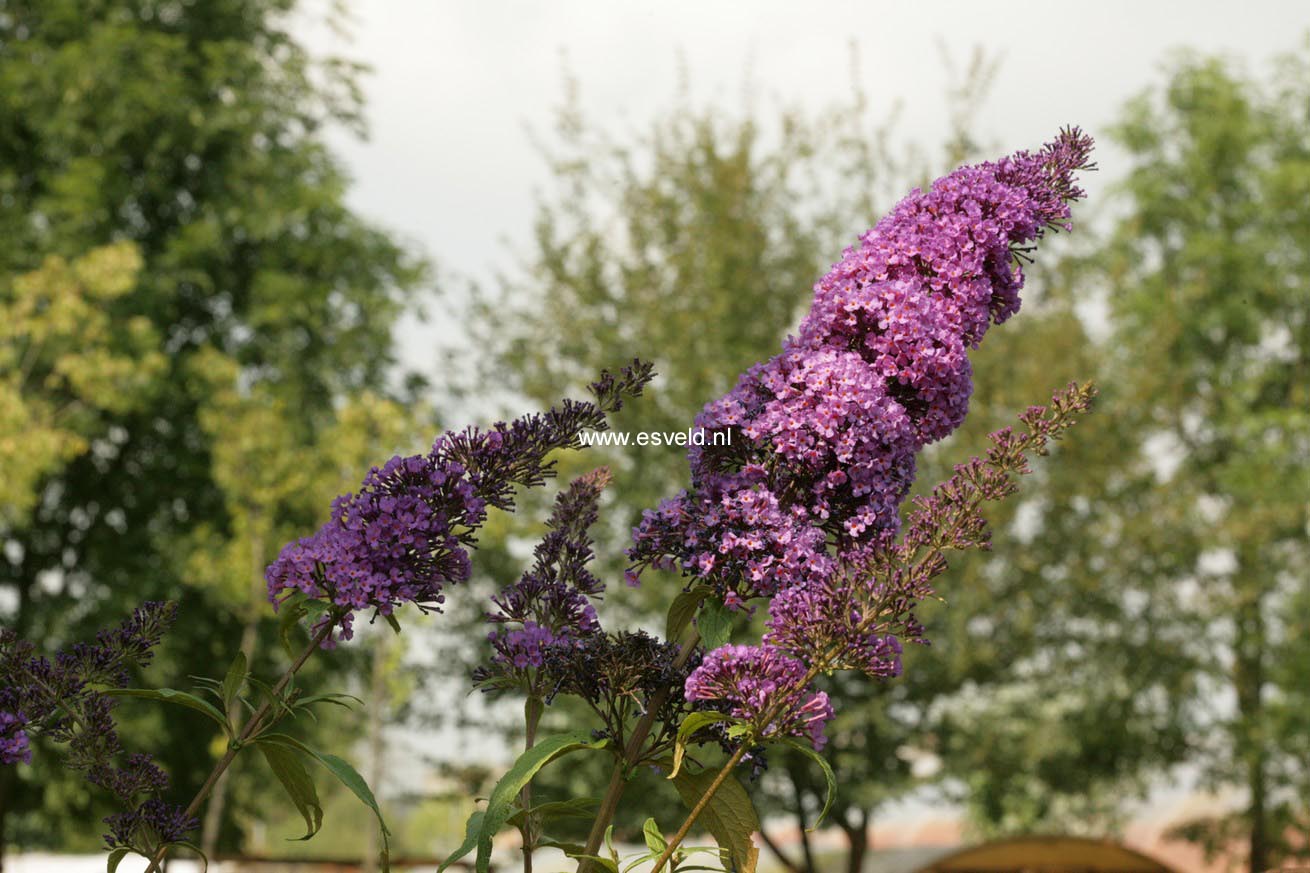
{"type": "Point", "coordinates": [532, 710]}
{"type": "Point", "coordinates": [253, 726]}
{"type": "Point", "coordinates": [677, 838]}
{"type": "Point", "coordinates": [609, 804]}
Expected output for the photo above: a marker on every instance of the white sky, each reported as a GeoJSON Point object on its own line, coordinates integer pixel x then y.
{"type": "Point", "coordinates": [456, 84]}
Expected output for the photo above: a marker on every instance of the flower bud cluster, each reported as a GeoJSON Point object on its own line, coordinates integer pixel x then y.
{"type": "Point", "coordinates": [551, 603]}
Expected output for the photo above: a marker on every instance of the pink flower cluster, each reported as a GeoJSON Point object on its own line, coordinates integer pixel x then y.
{"type": "Point", "coordinates": [761, 682]}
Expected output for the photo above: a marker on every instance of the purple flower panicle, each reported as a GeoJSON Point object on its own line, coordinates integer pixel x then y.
{"type": "Point", "coordinates": [153, 823]}
{"type": "Point", "coordinates": [857, 617]}
{"type": "Point", "coordinates": [802, 504]}
{"type": "Point", "coordinates": [825, 434]}
{"type": "Point", "coordinates": [406, 534]}
{"type": "Point", "coordinates": [58, 698]}
{"type": "Point", "coordinates": [551, 602]}
{"type": "Point", "coordinates": [827, 624]}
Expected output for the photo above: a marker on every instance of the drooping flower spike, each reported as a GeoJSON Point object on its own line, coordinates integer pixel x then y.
{"type": "Point", "coordinates": [824, 435]}
{"type": "Point", "coordinates": [802, 504]}
{"type": "Point", "coordinates": [59, 698]}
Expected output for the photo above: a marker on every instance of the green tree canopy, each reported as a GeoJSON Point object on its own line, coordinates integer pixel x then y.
{"type": "Point", "coordinates": [1207, 276]}
{"type": "Point", "coordinates": [191, 135]}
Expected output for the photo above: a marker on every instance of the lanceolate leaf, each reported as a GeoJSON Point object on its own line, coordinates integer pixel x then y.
{"type": "Point", "coordinates": [577, 807]}
{"type": "Point", "coordinates": [347, 776]}
{"type": "Point", "coordinates": [115, 858]}
{"type": "Point", "coordinates": [692, 723]}
{"type": "Point", "coordinates": [654, 839]}
{"type": "Point", "coordinates": [500, 806]}
{"type": "Point", "coordinates": [285, 764]}
{"type": "Point", "coordinates": [179, 698]}
{"type": "Point", "coordinates": [681, 612]}
{"type": "Point", "coordinates": [827, 774]}
{"type": "Point", "coordinates": [730, 816]}
{"type": "Point", "coordinates": [715, 623]}
{"type": "Point", "coordinates": [235, 678]}
{"type": "Point", "coordinates": [192, 847]}
{"type": "Point", "coordinates": [290, 612]}
{"type": "Point", "coordinates": [471, 832]}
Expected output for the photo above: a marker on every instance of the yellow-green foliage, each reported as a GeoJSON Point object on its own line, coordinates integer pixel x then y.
{"type": "Point", "coordinates": [277, 476]}
{"type": "Point", "coordinates": [67, 356]}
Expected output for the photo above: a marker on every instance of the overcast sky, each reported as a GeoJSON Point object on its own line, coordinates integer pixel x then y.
{"type": "Point", "coordinates": [455, 84]}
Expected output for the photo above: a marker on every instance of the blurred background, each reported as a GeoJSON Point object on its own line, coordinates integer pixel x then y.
{"type": "Point", "coordinates": [249, 248]}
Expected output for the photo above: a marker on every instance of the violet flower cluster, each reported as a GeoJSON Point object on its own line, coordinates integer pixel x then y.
{"type": "Point", "coordinates": [62, 699]}
{"type": "Point", "coordinates": [824, 435]}
{"type": "Point", "coordinates": [551, 603]}
{"type": "Point", "coordinates": [406, 534]}
{"type": "Point", "coordinates": [14, 746]}
{"type": "Point", "coordinates": [547, 640]}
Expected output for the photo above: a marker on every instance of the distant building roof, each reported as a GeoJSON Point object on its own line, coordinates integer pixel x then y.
{"type": "Point", "coordinates": [1041, 855]}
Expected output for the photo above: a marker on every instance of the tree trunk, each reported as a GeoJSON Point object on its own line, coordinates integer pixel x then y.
{"type": "Point", "coordinates": [777, 852]}
{"type": "Point", "coordinates": [857, 838]}
{"type": "Point", "coordinates": [1249, 679]}
{"type": "Point", "coordinates": [212, 826]}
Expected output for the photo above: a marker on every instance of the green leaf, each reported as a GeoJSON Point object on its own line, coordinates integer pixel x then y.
{"type": "Point", "coordinates": [609, 844]}
{"type": "Point", "coordinates": [715, 623]}
{"type": "Point", "coordinates": [316, 608]}
{"type": "Point", "coordinates": [348, 777]}
{"type": "Point", "coordinates": [692, 723]}
{"type": "Point", "coordinates": [276, 701]}
{"type": "Point", "coordinates": [577, 807]}
{"type": "Point", "coordinates": [654, 839]}
{"type": "Point", "coordinates": [500, 806]}
{"type": "Point", "coordinates": [391, 620]}
{"type": "Point", "coordinates": [608, 863]}
{"type": "Point", "coordinates": [472, 830]}
{"type": "Point", "coordinates": [809, 752]}
{"type": "Point", "coordinates": [187, 844]}
{"type": "Point", "coordinates": [290, 612]}
{"type": "Point", "coordinates": [730, 816]}
{"type": "Point", "coordinates": [634, 861]}
{"type": "Point", "coordinates": [573, 850]}
{"type": "Point", "coordinates": [681, 612]}
{"type": "Point", "coordinates": [286, 766]}
{"type": "Point", "coordinates": [178, 698]}
{"type": "Point", "coordinates": [115, 858]}
{"type": "Point", "coordinates": [337, 698]}
{"type": "Point", "coordinates": [235, 678]}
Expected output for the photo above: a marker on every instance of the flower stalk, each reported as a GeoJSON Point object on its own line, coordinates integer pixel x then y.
{"type": "Point", "coordinates": [251, 730]}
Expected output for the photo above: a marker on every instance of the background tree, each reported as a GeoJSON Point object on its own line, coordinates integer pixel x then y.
{"type": "Point", "coordinates": [1207, 278]}
{"type": "Point", "coordinates": [192, 132]}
